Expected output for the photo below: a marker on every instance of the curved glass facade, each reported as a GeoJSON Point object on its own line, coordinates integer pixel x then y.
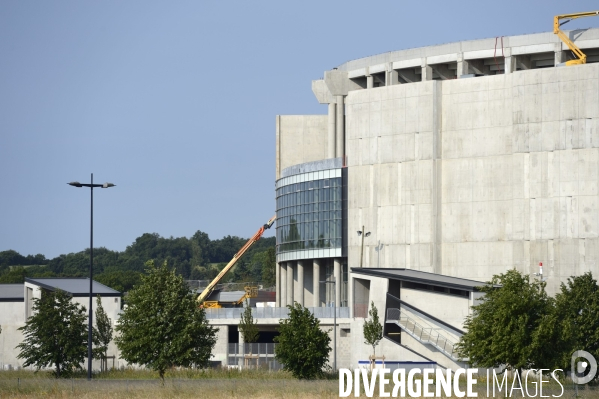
{"type": "Point", "coordinates": [310, 213]}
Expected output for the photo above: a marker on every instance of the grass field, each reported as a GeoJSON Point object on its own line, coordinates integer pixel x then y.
{"type": "Point", "coordinates": [195, 384]}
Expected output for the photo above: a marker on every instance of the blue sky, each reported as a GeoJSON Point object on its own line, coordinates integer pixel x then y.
{"type": "Point", "coordinates": [175, 103]}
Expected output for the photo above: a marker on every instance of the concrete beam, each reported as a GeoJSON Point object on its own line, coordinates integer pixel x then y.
{"type": "Point", "coordinates": [478, 67]}
{"type": "Point", "coordinates": [444, 72]}
{"type": "Point", "coordinates": [523, 62]}
{"type": "Point", "coordinates": [322, 93]}
{"type": "Point", "coordinates": [408, 75]}
{"type": "Point", "coordinates": [339, 83]}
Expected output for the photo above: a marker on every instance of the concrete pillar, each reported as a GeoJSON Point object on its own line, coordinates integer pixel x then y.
{"type": "Point", "coordinates": [289, 283]}
{"type": "Point", "coordinates": [510, 64]}
{"type": "Point", "coordinates": [300, 282]}
{"type": "Point", "coordinates": [340, 125]}
{"type": "Point", "coordinates": [316, 282]}
{"type": "Point", "coordinates": [559, 54]}
{"type": "Point", "coordinates": [369, 82]}
{"type": "Point", "coordinates": [337, 274]}
{"type": "Point", "coordinates": [331, 131]}
{"type": "Point", "coordinates": [283, 284]}
{"type": "Point", "coordinates": [462, 66]}
{"type": "Point", "coordinates": [278, 285]}
{"type": "Point", "coordinates": [392, 77]}
{"type": "Point", "coordinates": [427, 71]}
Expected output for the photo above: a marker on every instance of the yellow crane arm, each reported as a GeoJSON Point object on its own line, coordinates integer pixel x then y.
{"type": "Point", "coordinates": [582, 58]}
{"type": "Point", "coordinates": [237, 256]}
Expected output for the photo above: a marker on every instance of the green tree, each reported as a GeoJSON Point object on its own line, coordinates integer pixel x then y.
{"type": "Point", "coordinates": [572, 324]}
{"type": "Point", "coordinates": [303, 347]}
{"type": "Point", "coordinates": [373, 329]}
{"type": "Point", "coordinates": [247, 325]}
{"type": "Point", "coordinates": [502, 327]}
{"type": "Point", "coordinates": [162, 325]}
{"type": "Point", "coordinates": [102, 333]}
{"type": "Point", "coordinates": [269, 262]}
{"type": "Point", "coordinates": [56, 334]}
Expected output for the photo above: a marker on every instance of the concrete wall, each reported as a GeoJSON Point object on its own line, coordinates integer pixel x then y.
{"type": "Point", "coordinates": [515, 182]}
{"type": "Point", "coordinates": [448, 308]}
{"type": "Point", "coordinates": [300, 139]}
{"type": "Point", "coordinates": [14, 314]}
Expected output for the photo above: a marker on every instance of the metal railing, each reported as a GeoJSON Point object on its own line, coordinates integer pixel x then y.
{"type": "Point", "coordinates": [274, 313]}
{"type": "Point", "coordinates": [423, 334]}
{"type": "Point", "coordinates": [253, 355]}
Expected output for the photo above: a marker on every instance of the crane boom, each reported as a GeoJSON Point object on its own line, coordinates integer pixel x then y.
{"type": "Point", "coordinates": [236, 257]}
{"type": "Point", "coordinates": [582, 58]}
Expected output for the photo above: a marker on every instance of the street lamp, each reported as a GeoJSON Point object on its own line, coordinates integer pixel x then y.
{"type": "Point", "coordinates": [91, 263]}
{"type": "Point", "coordinates": [361, 233]}
{"type": "Point", "coordinates": [334, 324]}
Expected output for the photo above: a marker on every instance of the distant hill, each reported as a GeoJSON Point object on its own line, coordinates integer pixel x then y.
{"type": "Point", "coordinates": [195, 258]}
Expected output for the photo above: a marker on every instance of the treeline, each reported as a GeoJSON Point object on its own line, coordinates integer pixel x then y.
{"type": "Point", "coordinates": [195, 258]}
{"type": "Point", "coordinates": [517, 326]}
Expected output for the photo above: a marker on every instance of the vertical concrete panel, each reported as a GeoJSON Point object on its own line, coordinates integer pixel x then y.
{"type": "Point", "coordinates": [290, 278]}
{"type": "Point", "coordinates": [316, 283]}
{"type": "Point", "coordinates": [278, 285]}
{"type": "Point", "coordinates": [299, 292]}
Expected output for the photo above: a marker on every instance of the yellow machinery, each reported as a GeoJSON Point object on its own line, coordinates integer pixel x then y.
{"type": "Point", "coordinates": [250, 292]}
{"type": "Point", "coordinates": [582, 58]}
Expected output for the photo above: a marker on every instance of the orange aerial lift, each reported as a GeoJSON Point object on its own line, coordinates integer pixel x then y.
{"type": "Point", "coordinates": [250, 292]}
{"type": "Point", "coordinates": [582, 58]}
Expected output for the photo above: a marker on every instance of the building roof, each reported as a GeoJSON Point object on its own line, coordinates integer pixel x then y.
{"type": "Point", "coordinates": [417, 276]}
{"type": "Point", "coordinates": [76, 286]}
{"type": "Point", "coordinates": [12, 293]}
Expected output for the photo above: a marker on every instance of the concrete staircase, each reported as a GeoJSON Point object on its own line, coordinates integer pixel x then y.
{"type": "Point", "coordinates": [426, 335]}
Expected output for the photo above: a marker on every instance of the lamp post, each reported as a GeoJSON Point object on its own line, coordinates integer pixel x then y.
{"type": "Point", "coordinates": [334, 324]}
{"type": "Point", "coordinates": [361, 233]}
{"type": "Point", "coordinates": [91, 264]}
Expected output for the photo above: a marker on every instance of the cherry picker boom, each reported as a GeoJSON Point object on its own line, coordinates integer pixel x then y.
{"type": "Point", "coordinates": [582, 58]}
{"type": "Point", "coordinates": [208, 290]}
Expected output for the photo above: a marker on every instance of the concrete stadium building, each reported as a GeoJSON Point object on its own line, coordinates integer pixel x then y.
{"type": "Point", "coordinates": [462, 160]}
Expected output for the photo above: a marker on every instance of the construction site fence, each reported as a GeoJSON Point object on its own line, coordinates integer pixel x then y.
{"type": "Point", "coordinates": [254, 355]}
{"type": "Point", "coordinates": [274, 313]}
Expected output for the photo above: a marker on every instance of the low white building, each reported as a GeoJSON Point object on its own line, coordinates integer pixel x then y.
{"type": "Point", "coordinates": [16, 305]}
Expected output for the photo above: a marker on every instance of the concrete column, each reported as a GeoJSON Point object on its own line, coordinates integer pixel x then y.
{"type": "Point", "coordinates": [392, 77]}
{"type": "Point", "coordinates": [369, 82]}
{"type": "Point", "coordinates": [436, 200]}
{"type": "Point", "coordinates": [340, 125]}
{"type": "Point", "coordinates": [337, 274]}
{"type": "Point", "coordinates": [289, 283]}
{"type": "Point", "coordinates": [331, 131]}
{"type": "Point", "coordinates": [427, 71]}
{"type": "Point", "coordinates": [278, 285]}
{"type": "Point", "coordinates": [283, 284]}
{"type": "Point", "coordinates": [316, 282]}
{"type": "Point", "coordinates": [509, 61]}
{"type": "Point", "coordinates": [462, 66]}
{"type": "Point", "coordinates": [510, 64]}
{"type": "Point", "coordinates": [300, 282]}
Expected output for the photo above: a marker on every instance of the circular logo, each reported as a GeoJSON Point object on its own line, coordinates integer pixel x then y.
{"type": "Point", "coordinates": [581, 367]}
